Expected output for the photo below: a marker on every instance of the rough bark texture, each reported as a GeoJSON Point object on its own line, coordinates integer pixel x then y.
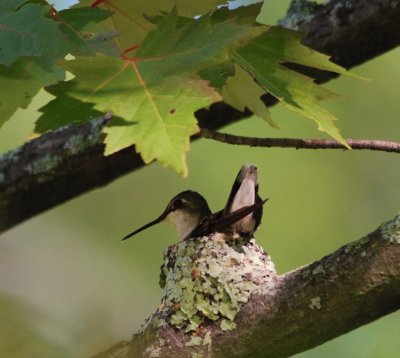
{"type": "Point", "coordinates": [284, 314]}
{"type": "Point", "coordinates": [66, 163]}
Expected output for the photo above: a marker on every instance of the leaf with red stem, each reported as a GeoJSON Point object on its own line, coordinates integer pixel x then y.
{"type": "Point", "coordinates": [155, 93]}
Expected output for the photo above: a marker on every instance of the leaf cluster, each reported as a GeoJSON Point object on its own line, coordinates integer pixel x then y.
{"type": "Point", "coordinates": [153, 65]}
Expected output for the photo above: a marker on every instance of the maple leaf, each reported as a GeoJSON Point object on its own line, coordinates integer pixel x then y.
{"type": "Point", "coordinates": [154, 94]}
{"type": "Point", "coordinates": [158, 118]}
{"type": "Point", "coordinates": [130, 20]}
{"type": "Point", "coordinates": [21, 81]}
{"type": "Point", "coordinates": [64, 110]}
{"type": "Point", "coordinates": [31, 43]}
{"type": "Point", "coordinates": [165, 121]}
{"type": "Point", "coordinates": [241, 91]}
{"type": "Point", "coordinates": [263, 59]}
{"type": "Point", "coordinates": [85, 31]}
{"type": "Point", "coordinates": [26, 31]}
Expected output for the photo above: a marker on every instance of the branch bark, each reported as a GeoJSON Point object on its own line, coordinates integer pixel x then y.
{"type": "Point", "coordinates": [352, 31]}
{"type": "Point", "coordinates": [362, 144]}
{"type": "Point", "coordinates": [285, 314]}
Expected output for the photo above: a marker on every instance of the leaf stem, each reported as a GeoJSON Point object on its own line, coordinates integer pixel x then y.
{"type": "Point", "coordinates": [96, 3]}
{"type": "Point", "coordinates": [134, 47]}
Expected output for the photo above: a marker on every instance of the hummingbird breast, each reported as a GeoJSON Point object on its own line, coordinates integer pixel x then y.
{"type": "Point", "coordinates": [245, 196]}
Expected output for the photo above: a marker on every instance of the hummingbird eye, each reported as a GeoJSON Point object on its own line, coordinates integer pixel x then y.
{"type": "Point", "coordinates": [176, 204]}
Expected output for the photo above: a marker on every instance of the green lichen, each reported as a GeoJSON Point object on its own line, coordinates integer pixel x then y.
{"type": "Point", "coordinates": [306, 274]}
{"type": "Point", "coordinates": [207, 339]}
{"type": "Point", "coordinates": [318, 270]}
{"type": "Point", "coordinates": [79, 143]}
{"type": "Point", "coordinates": [76, 144]}
{"type": "Point", "coordinates": [391, 230]}
{"type": "Point", "coordinates": [43, 167]}
{"type": "Point", "coordinates": [158, 322]}
{"type": "Point", "coordinates": [195, 341]}
{"type": "Point", "coordinates": [227, 325]}
{"type": "Point", "coordinates": [315, 303]}
{"type": "Point", "coordinates": [153, 351]}
{"type": "Point", "coordinates": [299, 12]}
{"type": "Point", "coordinates": [208, 279]}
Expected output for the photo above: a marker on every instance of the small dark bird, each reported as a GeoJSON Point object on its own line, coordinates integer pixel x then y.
{"type": "Point", "coordinates": [186, 210]}
{"type": "Point", "coordinates": [244, 193]}
{"type": "Point", "coordinates": [192, 217]}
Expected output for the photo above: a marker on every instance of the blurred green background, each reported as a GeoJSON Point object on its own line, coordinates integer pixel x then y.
{"type": "Point", "coordinates": [69, 288]}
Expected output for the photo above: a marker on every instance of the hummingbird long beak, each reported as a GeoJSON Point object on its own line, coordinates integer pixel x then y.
{"type": "Point", "coordinates": [151, 223]}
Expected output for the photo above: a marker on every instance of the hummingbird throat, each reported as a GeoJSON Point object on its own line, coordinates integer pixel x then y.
{"type": "Point", "coordinates": [185, 222]}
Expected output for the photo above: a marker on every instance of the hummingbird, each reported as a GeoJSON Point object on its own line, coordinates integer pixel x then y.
{"type": "Point", "coordinates": [192, 216]}
{"type": "Point", "coordinates": [244, 193]}
{"type": "Point", "coordinates": [186, 210]}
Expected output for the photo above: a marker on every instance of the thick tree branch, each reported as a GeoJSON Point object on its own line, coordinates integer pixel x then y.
{"type": "Point", "coordinates": [66, 163]}
{"type": "Point", "coordinates": [366, 144]}
{"type": "Point", "coordinates": [286, 314]}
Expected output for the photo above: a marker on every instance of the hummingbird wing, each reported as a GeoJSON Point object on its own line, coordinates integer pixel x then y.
{"type": "Point", "coordinates": [219, 221]}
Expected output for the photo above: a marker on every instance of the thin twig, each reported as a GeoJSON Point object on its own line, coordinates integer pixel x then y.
{"type": "Point", "coordinates": [379, 145]}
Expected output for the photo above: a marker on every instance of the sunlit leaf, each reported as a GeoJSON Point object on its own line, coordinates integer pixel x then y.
{"type": "Point", "coordinates": [156, 93]}
{"type": "Point", "coordinates": [263, 59]}
{"type": "Point", "coordinates": [159, 118]}
{"type": "Point", "coordinates": [165, 121]}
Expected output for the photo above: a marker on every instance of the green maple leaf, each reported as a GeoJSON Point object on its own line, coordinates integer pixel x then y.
{"type": "Point", "coordinates": [21, 81]}
{"type": "Point", "coordinates": [26, 31]}
{"type": "Point", "coordinates": [263, 58]}
{"type": "Point", "coordinates": [165, 121]}
{"type": "Point", "coordinates": [158, 118]}
{"type": "Point", "coordinates": [65, 110]}
{"type": "Point", "coordinates": [85, 31]}
{"type": "Point", "coordinates": [216, 75]}
{"type": "Point", "coordinates": [241, 91]}
{"type": "Point", "coordinates": [31, 43]}
{"type": "Point", "coordinates": [130, 16]}
{"type": "Point", "coordinates": [156, 93]}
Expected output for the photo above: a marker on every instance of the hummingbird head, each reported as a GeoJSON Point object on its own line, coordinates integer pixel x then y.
{"type": "Point", "coordinates": [185, 210]}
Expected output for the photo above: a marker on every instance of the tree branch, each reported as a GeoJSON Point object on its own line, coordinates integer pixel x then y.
{"type": "Point", "coordinates": [361, 144]}
{"type": "Point", "coordinates": [285, 314]}
{"type": "Point", "coordinates": [352, 31]}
